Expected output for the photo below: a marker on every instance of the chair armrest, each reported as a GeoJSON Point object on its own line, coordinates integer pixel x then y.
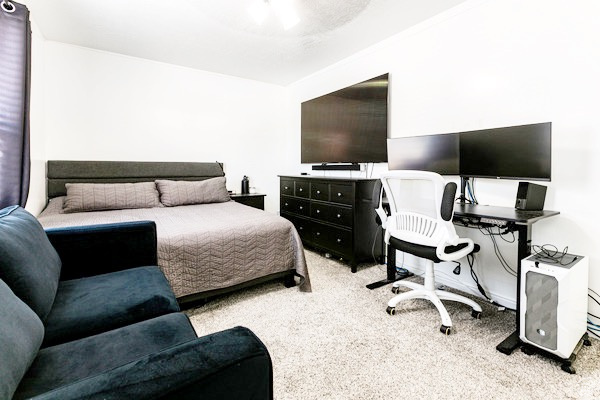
{"type": "Point", "coordinates": [232, 364]}
{"type": "Point", "coordinates": [98, 249]}
{"type": "Point", "coordinates": [468, 249]}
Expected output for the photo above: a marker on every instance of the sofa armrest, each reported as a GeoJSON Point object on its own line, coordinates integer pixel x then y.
{"type": "Point", "coordinates": [98, 249]}
{"type": "Point", "coordinates": [232, 364]}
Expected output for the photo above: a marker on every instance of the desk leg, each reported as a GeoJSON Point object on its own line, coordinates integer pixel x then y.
{"type": "Point", "coordinates": [508, 345]}
{"type": "Point", "coordinates": [392, 274]}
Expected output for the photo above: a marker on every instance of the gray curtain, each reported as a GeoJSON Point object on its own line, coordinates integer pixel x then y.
{"type": "Point", "coordinates": [15, 72]}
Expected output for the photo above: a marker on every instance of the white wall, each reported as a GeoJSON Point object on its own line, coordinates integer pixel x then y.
{"type": "Point", "coordinates": [488, 64]}
{"type": "Point", "coordinates": [37, 188]}
{"type": "Point", "coordinates": [105, 106]}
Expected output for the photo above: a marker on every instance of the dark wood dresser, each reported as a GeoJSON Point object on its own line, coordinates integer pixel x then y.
{"type": "Point", "coordinates": [335, 215]}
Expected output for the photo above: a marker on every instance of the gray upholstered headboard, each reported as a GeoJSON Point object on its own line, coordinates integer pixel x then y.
{"type": "Point", "coordinates": [60, 172]}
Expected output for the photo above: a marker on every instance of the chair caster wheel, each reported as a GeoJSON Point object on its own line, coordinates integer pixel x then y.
{"type": "Point", "coordinates": [391, 310]}
{"type": "Point", "coordinates": [568, 368]}
{"type": "Point", "coordinates": [476, 314]}
{"type": "Point", "coordinates": [445, 329]}
{"type": "Point", "coordinates": [395, 290]}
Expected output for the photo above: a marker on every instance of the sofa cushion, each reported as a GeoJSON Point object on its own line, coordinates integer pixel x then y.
{"type": "Point", "coordinates": [91, 305]}
{"type": "Point", "coordinates": [29, 265]}
{"type": "Point", "coordinates": [21, 333]}
{"type": "Point", "coordinates": [72, 361]}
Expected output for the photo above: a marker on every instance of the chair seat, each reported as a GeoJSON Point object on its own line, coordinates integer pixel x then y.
{"type": "Point", "coordinates": [422, 251]}
{"type": "Point", "coordinates": [96, 304]}
{"type": "Point", "coordinates": [70, 362]}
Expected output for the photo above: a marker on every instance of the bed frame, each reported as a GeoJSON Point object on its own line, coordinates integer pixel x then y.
{"type": "Point", "coordinates": [60, 172]}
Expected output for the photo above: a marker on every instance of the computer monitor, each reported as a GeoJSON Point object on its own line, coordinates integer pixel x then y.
{"type": "Point", "coordinates": [436, 153]}
{"type": "Point", "coordinates": [515, 152]}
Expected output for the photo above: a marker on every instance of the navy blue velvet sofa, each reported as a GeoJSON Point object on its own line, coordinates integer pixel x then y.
{"type": "Point", "coordinates": [86, 313]}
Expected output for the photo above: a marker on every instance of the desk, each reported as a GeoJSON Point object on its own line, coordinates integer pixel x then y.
{"type": "Point", "coordinates": [516, 221]}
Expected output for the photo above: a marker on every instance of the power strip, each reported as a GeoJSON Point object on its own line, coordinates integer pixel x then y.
{"type": "Point", "coordinates": [492, 221]}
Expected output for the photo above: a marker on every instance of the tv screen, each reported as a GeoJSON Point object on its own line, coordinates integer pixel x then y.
{"type": "Point", "coordinates": [349, 125]}
{"type": "Point", "coordinates": [515, 152]}
{"type": "Point", "coordinates": [437, 153]}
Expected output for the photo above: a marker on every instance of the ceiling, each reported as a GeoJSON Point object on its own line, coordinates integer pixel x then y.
{"type": "Point", "coordinates": [220, 36]}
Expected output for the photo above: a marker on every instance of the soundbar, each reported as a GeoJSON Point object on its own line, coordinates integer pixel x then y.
{"type": "Point", "coordinates": [336, 167]}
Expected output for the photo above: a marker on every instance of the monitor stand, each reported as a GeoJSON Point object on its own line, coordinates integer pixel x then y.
{"type": "Point", "coordinates": [463, 189]}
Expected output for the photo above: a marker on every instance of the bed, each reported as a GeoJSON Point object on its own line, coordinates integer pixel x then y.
{"type": "Point", "coordinates": [203, 249]}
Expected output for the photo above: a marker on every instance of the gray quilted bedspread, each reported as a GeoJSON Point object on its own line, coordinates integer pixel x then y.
{"type": "Point", "coordinates": [207, 246]}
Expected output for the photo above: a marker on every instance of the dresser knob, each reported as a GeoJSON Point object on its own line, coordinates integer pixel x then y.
{"type": "Point", "coordinates": [339, 240]}
{"type": "Point", "coordinates": [339, 216]}
{"type": "Point", "coordinates": [318, 192]}
{"type": "Point", "coordinates": [286, 204]}
{"type": "Point", "coordinates": [318, 211]}
{"type": "Point", "coordinates": [301, 228]}
{"type": "Point", "coordinates": [285, 188]}
{"type": "Point", "coordinates": [300, 207]}
{"type": "Point", "coordinates": [318, 233]}
{"type": "Point", "coordinates": [339, 194]}
{"type": "Point", "coordinates": [300, 189]}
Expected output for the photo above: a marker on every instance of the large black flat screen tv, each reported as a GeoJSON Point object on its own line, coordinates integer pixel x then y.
{"type": "Point", "coordinates": [437, 153]}
{"type": "Point", "coordinates": [515, 152]}
{"type": "Point", "coordinates": [347, 126]}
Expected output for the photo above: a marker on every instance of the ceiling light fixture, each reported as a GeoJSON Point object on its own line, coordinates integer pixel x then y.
{"type": "Point", "coordinates": [284, 9]}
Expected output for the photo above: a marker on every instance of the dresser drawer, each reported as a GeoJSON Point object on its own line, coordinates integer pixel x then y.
{"type": "Point", "coordinates": [337, 214]}
{"type": "Point", "coordinates": [295, 206]}
{"type": "Point", "coordinates": [319, 191]}
{"type": "Point", "coordinates": [303, 226]}
{"type": "Point", "coordinates": [302, 189]}
{"type": "Point", "coordinates": [286, 187]}
{"type": "Point", "coordinates": [341, 194]}
{"type": "Point", "coordinates": [336, 240]}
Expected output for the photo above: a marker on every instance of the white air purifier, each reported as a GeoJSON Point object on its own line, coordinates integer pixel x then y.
{"type": "Point", "coordinates": [553, 304]}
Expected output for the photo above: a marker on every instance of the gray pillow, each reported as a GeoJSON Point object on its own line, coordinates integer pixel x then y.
{"type": "Point", "coordinates": [110, 196]}
{"type": "Point", "coordinates": [29, 264]}
{"type": "Point", "coordinates": [179, 193]}
{"type": "Point", "coordinates": [21, 334]}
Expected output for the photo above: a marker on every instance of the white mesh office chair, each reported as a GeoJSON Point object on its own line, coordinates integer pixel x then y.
{"type": "Point", "coordinates": [420, 223]}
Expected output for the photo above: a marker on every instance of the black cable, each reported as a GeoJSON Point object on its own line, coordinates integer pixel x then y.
{"type": "Point", "coordinates": [506, 232]}
{"type": "Point", "coordinates": [550, 254]}
{"type": "Point", "coordinates": [471, 261]}
{"type": "Point", "coordinates": [593, 291]}
{"type": "Point", "coordinates": [379, 228]}
{"type": "Point", "coordinates": [499, 255]}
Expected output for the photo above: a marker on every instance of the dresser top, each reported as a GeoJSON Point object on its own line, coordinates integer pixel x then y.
{"type": "Point", "coordinates": [327, 178]}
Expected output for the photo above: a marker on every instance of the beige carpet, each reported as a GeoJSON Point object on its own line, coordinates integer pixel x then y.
{"type": "Point", "coordinates": [339, 343]}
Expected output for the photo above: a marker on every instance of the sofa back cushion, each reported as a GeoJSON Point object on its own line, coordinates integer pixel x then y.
{"type": "Point", "coordinates": [29, 265]}
{"type": "Point", "coordinates": [21, 334]}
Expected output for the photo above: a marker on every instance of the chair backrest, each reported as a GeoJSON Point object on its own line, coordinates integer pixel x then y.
{"type": "Point", "coordinates": [421, 208]}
